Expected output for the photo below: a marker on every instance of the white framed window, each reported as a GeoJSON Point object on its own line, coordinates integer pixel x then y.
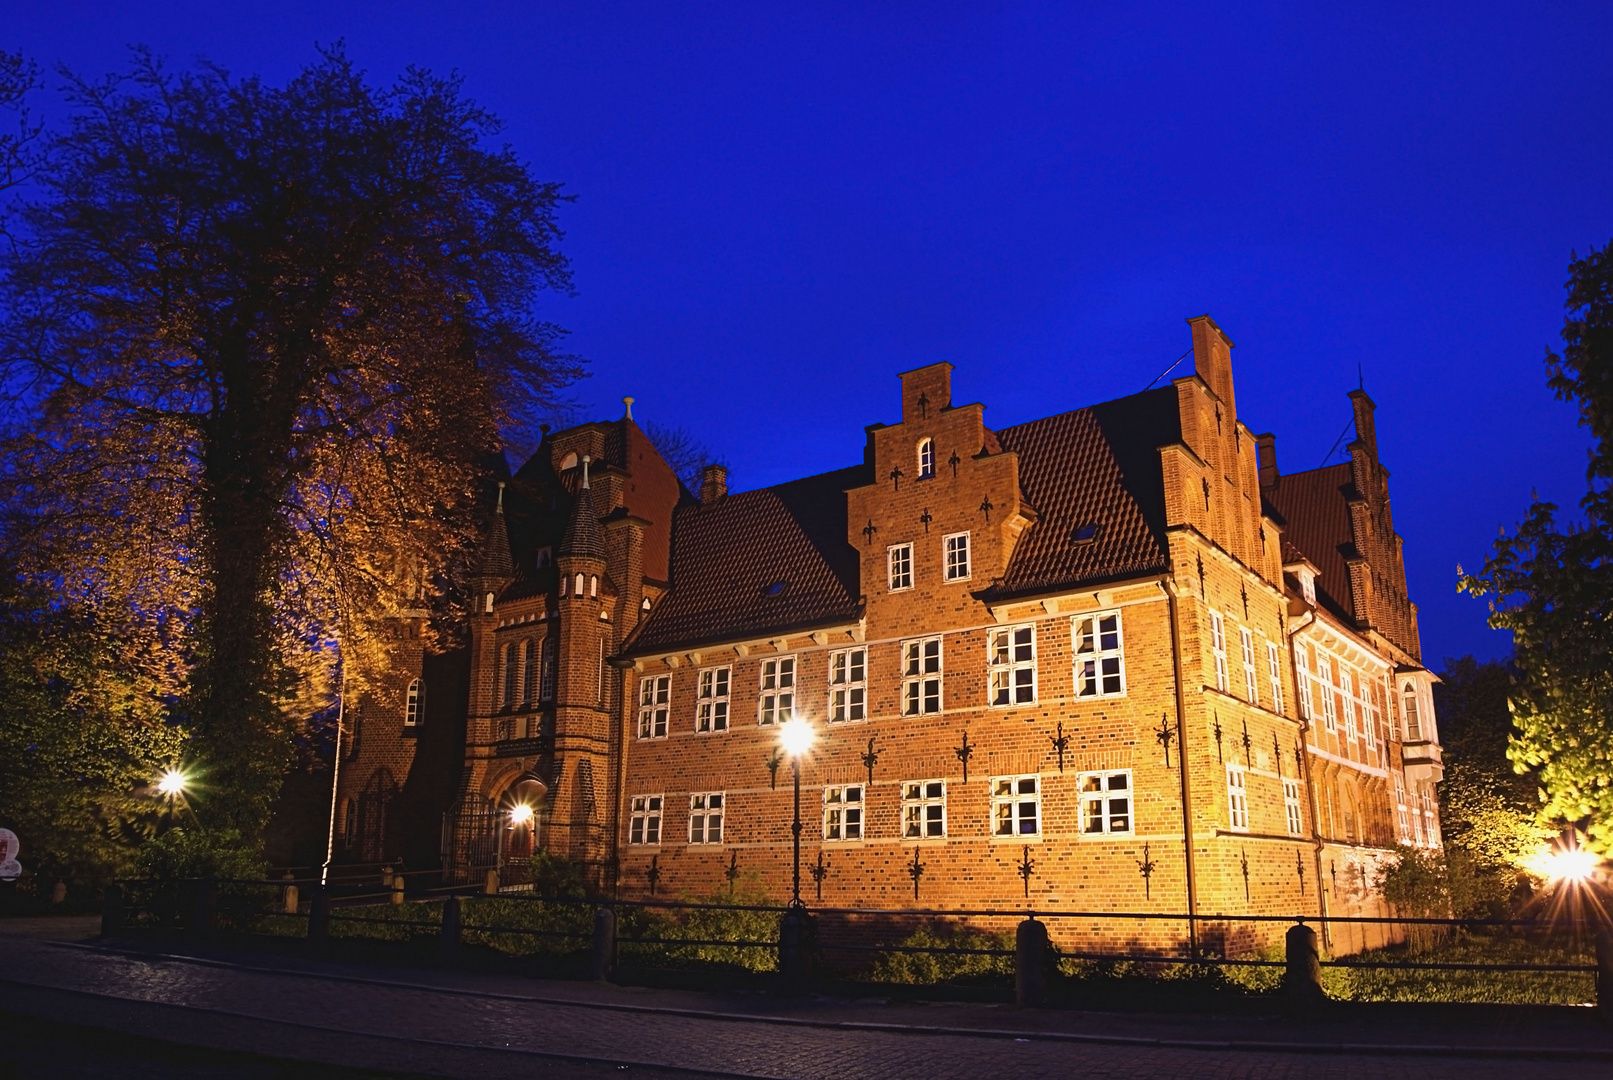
{"type": "Point", "coordinates": [848, 685]}
{"type": "Point", "coordinates": [1414, 727]}
{"type": "Point", "coordinates": [1346, 695]}
{"type": "Point", "coordinates": [711, 701]}
{"type": "Point", "coordinates": [1400, 809]}
{"type": "Point", "coordinates": [1291, 813]}
{"type": "Point", "coordinates": [1274, 672]}
{"type": "Point", "coordinates": [1369, 715]}
{"type": "Point", "coordinates": [924, 809]}
{"type": "Point", "coordinates": [1100, 666]}
{"type": "Point", "coordinates": [546, 670]}
{"type": "Point", "coordinates": [1218, 647]}
{"type": "Point", "coordinates": [412, 701]}
{"type": "Point", "coordinates": [1237, 798]}
{"type": "Point", "coordinates": [654, 697]}
{"type": "Point", "coordinates": [921, 676]}
{"type": "Point", "coordinates": [1106, 803]}
{"type": "Point", "coordinates": [705, 818]}
{"type": "Point", "coordinates": [1302, 683]}
{"type": "Point", "coordinates": [843, 813]}
{"type": "Point", "coordinates": [644, 823]}
{"type": "Point", "coordinates": [529, 668]}
{"type": "Point", "coordinates": [1016, 806]}
{"type": "Point", "coordinates": [506, 698]}
{"type": "Point", "coordinates": [778, 691]}
{"type": "Point", "coordinates": [1324, 680]}
{"type": "Point", "coordinates": [1251, 678]}
{"type": "Point", "coordinates": [899, 563]}
{"type": "Point", "coordinates": [956, 548]}
{"type": "Point", "coordinates": [926, 459]}
{"type": "Point", "coordinates": [1430, 824]}
{"type": "Point", "coordinates": [1011, 664]}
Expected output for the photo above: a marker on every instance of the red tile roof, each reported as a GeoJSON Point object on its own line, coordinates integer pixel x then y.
{"type": "Point", "coordinates": [726, 556]}
{"type": "Point", "coordinates": [1318, 517]}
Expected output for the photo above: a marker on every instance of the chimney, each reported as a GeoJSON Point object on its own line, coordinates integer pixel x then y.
{"type": "Point", "coordinates": [1266, 446]}
{"type": "Point", "coordinates": [713, 483]}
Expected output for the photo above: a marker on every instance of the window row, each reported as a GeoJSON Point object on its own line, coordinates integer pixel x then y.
{"type": "Point", "coordinates": [1256, 668]}
{"type": "Point", "coordinates": [1345, 700]}
{"type": "Point", "coordinates": [954, 561]}
{"type": "Point", "coordinates": [1016, 810]}
{"type": "Point", "coordinates": [1238, 802]}
{"type": "Point", "coordinates": [1099, 672]}
{"type": "Point", "coordinates": [526, 668]}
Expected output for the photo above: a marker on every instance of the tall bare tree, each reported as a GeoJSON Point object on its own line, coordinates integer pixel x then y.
{"type": "Point", "coordinates": [270, 337]}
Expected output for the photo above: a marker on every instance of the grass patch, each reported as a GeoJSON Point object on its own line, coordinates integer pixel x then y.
{"type": "Point", "coordinates": [1503, 987]}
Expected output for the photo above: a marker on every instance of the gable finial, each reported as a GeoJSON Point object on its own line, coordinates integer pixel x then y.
{"type": "Point", "coordinates": [585, 460]}
{"type": "Point", "coordinates": [629, 403]}
{"type": "Point", "coordinates": [500, 508]}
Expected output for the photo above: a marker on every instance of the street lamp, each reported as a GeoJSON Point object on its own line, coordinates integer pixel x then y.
{"type": "Point", "coordinates": [795, 737]}
{"type": "Point", "coordinates": [171, 786]}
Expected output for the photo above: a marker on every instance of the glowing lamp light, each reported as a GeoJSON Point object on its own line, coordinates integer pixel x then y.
{"type": "Point", "coordinates": [520, 814]}
{"type": "Point", "coordinates": [796, 737]}
{"type": "Point", "coordinates": [172, 783]}
{"type": "Point", "coordinates": [1573, 865]}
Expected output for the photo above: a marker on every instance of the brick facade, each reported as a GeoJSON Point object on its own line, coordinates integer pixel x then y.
{"type": "Point", "coordinates": [1095, 616]}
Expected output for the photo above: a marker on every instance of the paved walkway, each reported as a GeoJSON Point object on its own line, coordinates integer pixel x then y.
{"type": "Point", "coordinates": [444, 1023]}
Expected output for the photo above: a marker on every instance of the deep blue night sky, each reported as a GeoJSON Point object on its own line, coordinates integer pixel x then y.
{"type": "Point", "coordinates": [779, 208]}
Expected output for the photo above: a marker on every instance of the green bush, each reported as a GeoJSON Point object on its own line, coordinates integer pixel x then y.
{"type": "Point", "coordinates": [553, 929]}
{"type": "Point", "coordinates": [930, 968]}
{"type": "Point", "coordinates": [723, 921]}
{"type": "Point", "coordinates": [198, 853]}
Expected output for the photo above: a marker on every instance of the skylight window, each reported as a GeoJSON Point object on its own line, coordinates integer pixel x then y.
{"type": "Point", "coordinates": [776, 589]}
{"type": "Point", "coordinates": [1086, 533]}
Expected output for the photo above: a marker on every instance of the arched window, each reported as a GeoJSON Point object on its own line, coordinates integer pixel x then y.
{"type": "Point", "coordinates": [568, 462]}
{"type": "Point", "coordinates": [1414, 727]}
{"type": "Point", "coordinates": [926, 458]}
{"type": "Point", "coordinates": [593, 585]}
{"type": "Point", "coordinates": [508, 698]}
{"type": "Point", "coordinates": [529, 660]}
{"type": "Point", "coordinates": [577, 587]}
{"type": "Point", "coordinates": [349, 820]}
{"type": "Point", "coordinates": [412, 702]}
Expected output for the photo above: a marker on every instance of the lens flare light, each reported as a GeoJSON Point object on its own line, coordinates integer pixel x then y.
{"type": "Point", "coordinates": [520, 814]}
{"type": "Point", "coordinates": [796, 737]}
{"type": "Point", "coordinates": [172, 783]}
{"type": "Point", "coordinates": [1573, 865]}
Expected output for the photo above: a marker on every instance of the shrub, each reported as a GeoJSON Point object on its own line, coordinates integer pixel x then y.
{"type": "Point", "coordinates": [926, 968]}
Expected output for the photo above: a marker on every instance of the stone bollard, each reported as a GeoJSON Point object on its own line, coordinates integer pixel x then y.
{"type": "Point", "coordinates": [1031, 954]}
{"type": "Point", "coordinates": [604, 944]}
{"type": "Point", "coordinates": [448, 939]}
{"type": "Point", "coordinates": [1302, 979]}
{"type": "Point", "coordinates": [386, 877]}
{"type": "Point", "coordinates": [111, 911]}
{"type": "Point", "coordinates": [490, 883]}
{"type": "Point", "coordinates": [319, 916]}
{"type": "Point", "coordinates": [797, 934]}
{"type": "Point", "coordinates": [397, 889]}
{"type": "Point", "coordinates": [289, 896]}
{"type": "Point", "coordinates": [58, 893]}
{"type": "Point", "coordinates": [1604, 974]}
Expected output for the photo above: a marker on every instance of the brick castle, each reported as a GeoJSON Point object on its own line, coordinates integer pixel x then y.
{"type": "Point", "coordinates": [1033, 659]}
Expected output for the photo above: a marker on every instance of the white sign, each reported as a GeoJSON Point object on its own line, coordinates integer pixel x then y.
{"type": "Point", "coordinates": [9, 847]}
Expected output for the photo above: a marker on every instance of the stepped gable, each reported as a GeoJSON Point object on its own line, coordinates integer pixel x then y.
{"type": "Point", "coordinates": [1316, 505]}
{"type": "Point", "coordinates": [727, 556]}
{"type": "Point", "coordinates": [1094, 466]}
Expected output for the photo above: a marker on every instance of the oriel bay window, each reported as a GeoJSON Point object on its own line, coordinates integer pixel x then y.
{"type": "Point", "coordinates": [1106, 802]}
{"type": "Point", "coordinates": [924, 809]}
{"type": "Point", "coordinates": [848, 685]}
{"type": "Point", "coordinates": [1016, 806]}
{"type": "Point", "coordinates": [843, 812]}
{"type": "Point", "coordinates": [921, 676]}
{"type": "Point", "coordinates": [1100, 668]}
{"type": "Point", "coordinates": [1011, 659]}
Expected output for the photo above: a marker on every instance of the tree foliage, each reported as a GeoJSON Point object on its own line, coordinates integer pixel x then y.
{"type": "Point", "coordinates": [267, 340]}
{"type": "Point", "coordinates": [1551, 585]}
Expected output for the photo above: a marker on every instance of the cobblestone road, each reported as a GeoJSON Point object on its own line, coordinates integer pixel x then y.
{"type": "Point", "coordinates": [457, 1029]}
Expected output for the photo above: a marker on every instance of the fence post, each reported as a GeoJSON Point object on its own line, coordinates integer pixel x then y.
{"type": "Point", "coordinates": [796, 934]}
{"type": "Point", "coordinates": [319, 915]}
{"type": "Point", "coordinates": [604, 943]}
{"type": "Point", "coordinates": [111, 911]}
{"type": "Point", "coordinates": [204, 906]}
{"type": "Point", "coordinates": [448, 940]}
{"type": "Point", "coordinates": [397, 888]}
{"type": "Point", "coordinates": [290, 898]}
{"type": "Point", "coordinates": [1302, 979]}
{"type": "Point", "coordinates": [490, 883]}
{"type": "Point", "coordinates": [1031, 948]}
{"type": "Point", "coordinates": [1604, 973]}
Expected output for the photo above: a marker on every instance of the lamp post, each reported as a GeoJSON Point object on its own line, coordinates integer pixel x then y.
{"type": "Point", "coordinates": [795, 737]}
